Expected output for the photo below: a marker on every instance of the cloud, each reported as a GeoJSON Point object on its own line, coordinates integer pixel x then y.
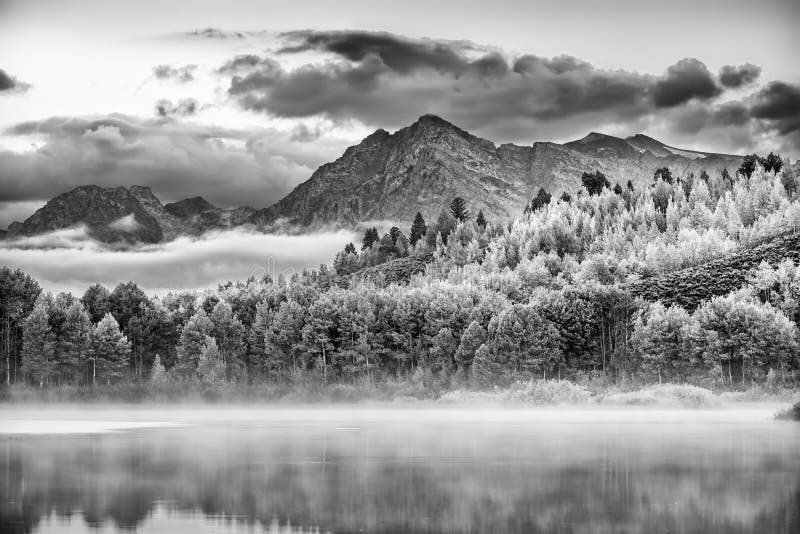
{"type": "Point", "coordinates": [68, 260]}
{"type": "Point", "coordinates": [10, 84]}
{"type": "Point", "coordinates": [388, 81]}
{"type": "Point", "coordinates": [228, 167]}
{"type": "Point", "coordinates": [731, 76]}
{"type": "Point", "coordinates": [397, 53]}
{"type": "Point", "coordinates": [778, 103]}
{"type": "Point", "coordinates": [686, 80]}
{"type": "Point", "coordinates": [215, 33]}
{"type": "Point", "coordinates": [184, 108]}
{"type": "Point", "coordinates": [385, 80]}
{"type": "Point", "coordinates": [182, 74]}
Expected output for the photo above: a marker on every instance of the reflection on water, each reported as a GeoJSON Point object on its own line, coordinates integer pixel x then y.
{"type": "Point", "coordinates": [335, 473]}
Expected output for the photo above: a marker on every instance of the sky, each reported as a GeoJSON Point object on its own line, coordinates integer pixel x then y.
{"type": "Point", "coordinates": [240, 101]}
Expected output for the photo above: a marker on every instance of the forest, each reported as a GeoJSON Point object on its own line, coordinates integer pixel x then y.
{"type": "Point", "coordinates": [548, 296]}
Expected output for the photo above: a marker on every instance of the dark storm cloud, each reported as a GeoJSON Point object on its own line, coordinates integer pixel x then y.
{"type": "Point", "coordinates": [778, 103]}
{"type": "Point", "coordinates": [10, 84]}
{"type": "Point", "coordinates": [733, 77]}
{"type": "Point", "coordinates": [397, 53]}
{"type": "Point", "coordinates": [388, 80]}
{"type": "Point", "coordinates": [731, 114]}
{"type": "Point", "coordinates": [227, 167]}
{"type": "Point", "coordinates": [184, 108]}
{"type": "Point", "coordinates": [182, 74]}
{"type": "Point", "coordinates": [686, 80]}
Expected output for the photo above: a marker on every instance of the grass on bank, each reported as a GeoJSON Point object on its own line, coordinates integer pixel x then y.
{"type": "Point", "coordinates": [311, 390]}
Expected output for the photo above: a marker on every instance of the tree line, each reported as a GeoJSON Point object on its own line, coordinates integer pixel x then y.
{"type": "Point", "coordinates": [543, 296]}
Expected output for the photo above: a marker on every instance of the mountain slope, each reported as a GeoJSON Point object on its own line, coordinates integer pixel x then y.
{"type": "Point", "coordinates": [693, 285]}
{"type": "Point", "coordinates": [423, 166]}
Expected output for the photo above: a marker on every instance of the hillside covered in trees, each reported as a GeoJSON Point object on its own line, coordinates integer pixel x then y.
{"type": "Point", "coordinates": [691, 279]}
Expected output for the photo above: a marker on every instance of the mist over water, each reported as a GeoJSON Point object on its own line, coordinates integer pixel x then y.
{"type": "Point", "coordinates": [393, 470]}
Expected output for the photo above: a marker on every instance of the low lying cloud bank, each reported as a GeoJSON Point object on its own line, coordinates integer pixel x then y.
{"type": "Point", "coordinates": [67, 260]}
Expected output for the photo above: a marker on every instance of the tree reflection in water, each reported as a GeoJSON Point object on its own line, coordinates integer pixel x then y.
{"type": "Point", "coordinates": [313, 477]}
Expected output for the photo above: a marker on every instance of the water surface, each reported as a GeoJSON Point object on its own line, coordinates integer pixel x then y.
{"type": "Point", "coordinates": [281, 470]}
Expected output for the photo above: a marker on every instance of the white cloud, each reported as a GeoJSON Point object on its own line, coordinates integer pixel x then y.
{"type": "Point", "coordinates": [67, 260]}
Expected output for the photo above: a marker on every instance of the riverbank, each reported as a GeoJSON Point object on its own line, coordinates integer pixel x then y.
{"type": "Point", "coordinates": [531, 393]}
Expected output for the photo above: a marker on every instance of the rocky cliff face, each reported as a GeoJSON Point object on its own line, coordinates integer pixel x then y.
{"type": "Point", "coordinates": [422, 167]}
{"type": "Point", "coordinates": [127, 215]}
{"type": "Point", "coordinates": [387, 177]}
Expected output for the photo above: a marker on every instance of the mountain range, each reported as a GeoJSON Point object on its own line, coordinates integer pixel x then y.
{"type": "Point", "coordinates": [386, 177]}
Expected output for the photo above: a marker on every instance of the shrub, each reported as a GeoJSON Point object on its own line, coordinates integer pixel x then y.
{"type": "Point", "coordinates": [663, 395]}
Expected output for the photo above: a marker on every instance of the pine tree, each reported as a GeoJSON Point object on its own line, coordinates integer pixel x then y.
{"type": "Point", "coordinates": [158, 374]}
{"type": "Point", "coordinates": [665, 174]}
{"type": "Point", "coordinates": [109, 351]}
{"type": "Point", "coordinates": [210, 364]}
{"type": "Point", "coordinates": [38, 343]}
{"type": "Point", "coordinates": [370, 237]}
{"type": "Point", "coordinates": [350, 248]}
{"type": "Point", "coordinates": [595, 182]}
{"type": "Point", "coordinates": [618, 189]}
{"type": "Point", "coordinates": [458, 208]}
{"type": "Point", "coordinates": [480, 220]}
{"type": "Point", "coordinates": [192, 340]}
{"type": "Point", "coordinates": [97, 302]}
{"type": "Point", "coordinates": [542, 198]}
{"type": "Point", "coordinates": [748, 166]}
{"type": "Point", "coordinates": [75, 339]}
{"type": "Point", "coordinates": [418, 229]}
{"type": "Point", "coordinates": [566, 197]}
{"type": "Point", "coordinates": [228, 332]}
{"type": "Point", "coordinates": [18, 294]}
{"type": "Point", "coordinates": [473, 337]}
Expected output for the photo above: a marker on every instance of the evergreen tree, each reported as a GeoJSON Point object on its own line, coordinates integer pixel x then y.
{"type": "Point", "coordinates": [630, 186]}
{"type": "Point", "coordinates": [665, 174]}
{"type": "Point", "coordinates": [228, 332]}
{"type": "Point", "coordinates": [542, 198]}
{"type": "Point", "coordinates": [192, 341]}
{"type": "Point", "coordinates": [418, 229]}
{"type": "Point", "coordinates": [772, 163]}
{"type": "Point", "coordinates": [210, 364]}
{"type": "Point", "coordinates": [318, 331]}
{"type": "Point", "coordinates": [158, 374]}
{"type": "Point", "coordinates": [595, 182]}
{"type": "Point", "coordinates": [350, 248]}
{"type": "Point", "coordinates": [530, 342]}
{"type": "Point", "coordinates": [370, 236]}
{"type": "Point", "coordinates": [480, 220]}
{"type": "Point", "coordinates": [285, 332]}
{"type": "Point", "coordinates": [473, 337]}
{"type": "Point", "coordinates": [109, 350]}
{"type": "Point", "coordinates": [18, 295]}
{"type": "Point", "coordinates": [566, 197]}
{"type": "Point", "coordinates": [97, 302]}
{"type": "Point", "coordinates": [618, 189]}
{"type": "Point", "coordinates": [489, 367]}
{"type": "Point", "coordinates": [458, 208]}
{"type": "Point", "coordinates": [74, 340]}
{"type": "Point", "coordinates": [789, 182]}
{"type": "Point", "coordinates": [442, 351]}
{"type": "Point", "coordinates": [748, 166]}
{"type": "Point", "coordinates": [38, 344]}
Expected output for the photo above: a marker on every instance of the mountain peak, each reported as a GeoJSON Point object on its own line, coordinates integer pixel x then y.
{"type": "Point", "coordinates": [594, 137]}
